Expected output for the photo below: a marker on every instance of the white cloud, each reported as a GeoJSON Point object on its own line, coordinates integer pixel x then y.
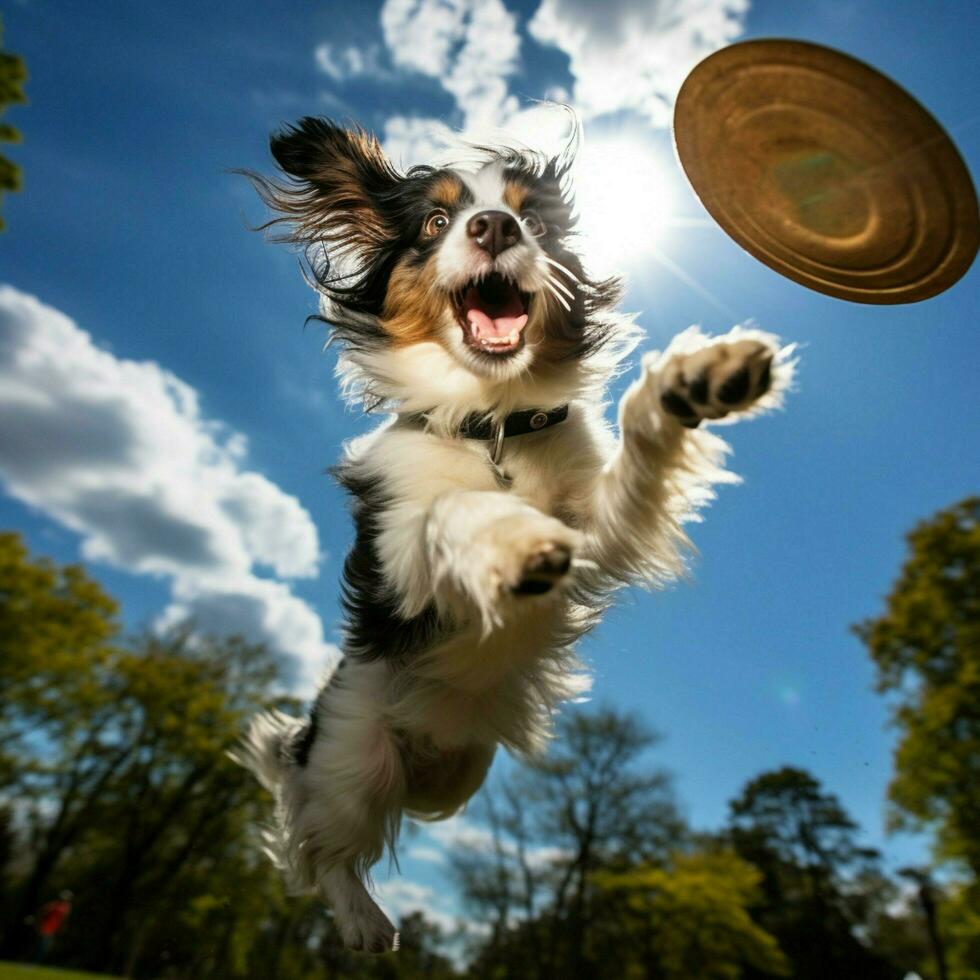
{"type": "Point", "coordinates": [421, 34]}
{"type": "Point", "coordinates": [430, 854]}
{"type": "Point", "coordinates": [624, 55]}
{"type": "Point", "coordinates": [275, 527]}
{"type": "Point", "coordinates": [410, 140]}
{"type": "Point", "coordinates": [461, 833]}
{"type": "Point", "coordinates": [120, 452]}
{"type": "Point", "coordinates": [634, 54]}
{"type": "Point", "coordinates": [351, 61]}
{"type": "Point", "coordinates": [469, 46]}
{"type": "Point", "coordinates": [262, 610]}
{"type": "Point", "coordinates": [403, 893]}
{"type": "Point", "coordinates": [477, 79]}
{"type": "Point", "coordinates": [539, 857]}
{"type": "Point", "coordinates": [400, 897]}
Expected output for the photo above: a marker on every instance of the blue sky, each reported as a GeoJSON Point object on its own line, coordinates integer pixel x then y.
{"type": "Point", "coordinates": [183, 449]}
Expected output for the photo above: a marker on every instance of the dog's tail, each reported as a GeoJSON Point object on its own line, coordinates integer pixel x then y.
{"type": "Point", "coordinates": [263, 748]}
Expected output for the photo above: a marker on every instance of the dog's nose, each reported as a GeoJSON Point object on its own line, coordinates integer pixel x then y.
{"type": "Point", "coordinates": [494, 231]}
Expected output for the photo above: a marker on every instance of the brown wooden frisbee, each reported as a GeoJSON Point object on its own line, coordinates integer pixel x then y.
{"type": "Point", "coordinates": [827, 171]}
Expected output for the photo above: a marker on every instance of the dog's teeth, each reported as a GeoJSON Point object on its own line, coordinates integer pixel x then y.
{"type": "Point", "coordinates": [509, 341]}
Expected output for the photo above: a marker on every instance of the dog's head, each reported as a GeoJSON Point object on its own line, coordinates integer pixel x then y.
{"type": "Point", "coordinates": [476, 261]}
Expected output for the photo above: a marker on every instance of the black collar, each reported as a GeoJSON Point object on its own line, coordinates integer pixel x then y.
{"type": "Point", "coordinates": [477, 425]}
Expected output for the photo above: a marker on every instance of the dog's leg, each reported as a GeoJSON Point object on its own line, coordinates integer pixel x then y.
{"type": "Point", "coordinates": [340, 808]}
{"type": "Point", "coordinates": [487, 550]}
{"type": "Point", "coordinates": [663, 468]}
{"type": "Point", "coordinates": [361, 923]}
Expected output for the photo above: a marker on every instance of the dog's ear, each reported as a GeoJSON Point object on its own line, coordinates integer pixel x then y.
{"type": "Point", "coordinates": [337, 191]}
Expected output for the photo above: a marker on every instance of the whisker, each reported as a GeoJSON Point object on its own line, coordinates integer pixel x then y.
{"type": "Point", "coordinates": [561, 286]}
{"type": "Point", "coordinates": [568, 272]}
{"type": "Point", "coordinates": [558, 296]}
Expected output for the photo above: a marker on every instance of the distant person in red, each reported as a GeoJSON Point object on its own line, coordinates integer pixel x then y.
{"type": "Point", "coordinates": [49, 921]}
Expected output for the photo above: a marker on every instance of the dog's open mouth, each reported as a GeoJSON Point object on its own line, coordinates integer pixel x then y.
{"type": "Point", "coordinates": [493, 314]}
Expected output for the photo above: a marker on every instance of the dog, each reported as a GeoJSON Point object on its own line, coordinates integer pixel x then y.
{"type": "Point", "coordinates": [496, 511]}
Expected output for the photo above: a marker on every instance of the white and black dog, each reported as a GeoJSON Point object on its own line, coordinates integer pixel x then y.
{"type": "Point", "coordinates": [496, 511]}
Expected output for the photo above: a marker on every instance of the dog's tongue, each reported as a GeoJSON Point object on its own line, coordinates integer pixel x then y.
{"type": "Point", "coordinates": [494, 311]}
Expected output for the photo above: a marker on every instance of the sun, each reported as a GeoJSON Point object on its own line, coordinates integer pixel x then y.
{"type": "Point", "coordinates": [624, 196]}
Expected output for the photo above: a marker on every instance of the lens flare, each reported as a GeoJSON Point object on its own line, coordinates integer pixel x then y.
{"type": "Point", "coordinates": [624, 197]}
{"type": "Point", "coordinates": [789, 694]}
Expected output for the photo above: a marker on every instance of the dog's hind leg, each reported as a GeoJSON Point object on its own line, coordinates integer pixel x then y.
{"type": "Point", "coordinates": [361, 923]}
{"type": "Point", "coordinates": [341, 807]}
{"type": "Point", "coordinates": [341, 829]}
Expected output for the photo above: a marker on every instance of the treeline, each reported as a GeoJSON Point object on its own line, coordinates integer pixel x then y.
{"type": "Point", "coordinates": [593, 873]}
{"type": "Point", "coordinates": [114, 783]}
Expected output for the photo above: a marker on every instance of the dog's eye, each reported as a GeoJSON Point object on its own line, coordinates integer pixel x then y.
{"type": "Point", "coordinates": [533, 223]}
{"type": "Point", "coordinates": [437, 222]}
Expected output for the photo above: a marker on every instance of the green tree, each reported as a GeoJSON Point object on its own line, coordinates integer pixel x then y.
{"type": "Point", "coordinates": [176, 811]}
{"type": "Point", "coordinates": [591, 804]}
{"type": "Point", "coordinates": [56, 629]}
{"type": "Point", "coordinates": [926, 648]}
{"type": "Point", "coordinates": [13, 74]}
{"type": "Point", "coordinates": [125, 791]}
{"type": "Point", "coordinates": [694, 916]}
{"type": "Point", "coordinates": [892, 922]}
{"type": "Point", "coordinates": [959, 919]}
{"type": "Point", "coordinates": [54, 622]}
{"type": "Point", "coordinates": [113, 756]}
{"type": "Point", "coordinates": [807, 848]}
{"type": "Point", "coordinates": [787, 812]}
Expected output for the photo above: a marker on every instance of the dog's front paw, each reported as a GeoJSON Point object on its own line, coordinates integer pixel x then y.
{"type": "Point", "coordinates": [719, 378]}
{"type": "Point", "coordinates": [544, 569]}
{"type": "Point", "coordinates": [528, 554]}
{"type": "Point", "coordinates": [522, 555]}
{"type": "Point", "coordinates": [491, 552]}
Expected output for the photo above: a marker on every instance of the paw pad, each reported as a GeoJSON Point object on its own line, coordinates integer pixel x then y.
{"type": "Point", "coordinates": [734, 389]}
{"type": "Point", "coordinates": [716, 380]}
{"type": "Point", "coordinates": [544, 569]}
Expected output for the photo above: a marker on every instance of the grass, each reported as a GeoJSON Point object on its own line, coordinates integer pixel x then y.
{"type": "Point", "coordinates": [26, 971]}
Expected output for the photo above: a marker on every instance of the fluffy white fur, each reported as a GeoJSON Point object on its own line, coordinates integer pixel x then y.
{"type": "Point", "coordinates": [416, 736]}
